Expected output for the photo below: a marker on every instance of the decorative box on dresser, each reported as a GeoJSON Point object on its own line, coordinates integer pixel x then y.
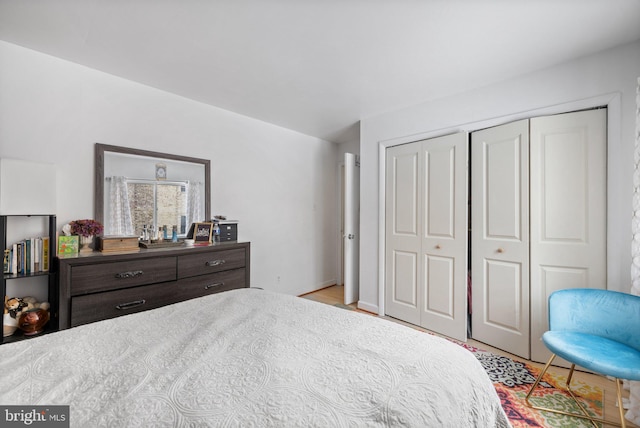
{"type": "Point", "coordinates": [98, 285]}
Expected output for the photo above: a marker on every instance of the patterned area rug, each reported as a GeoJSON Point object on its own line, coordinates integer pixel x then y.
{"type": "Point", "coordinates": [512, 380]}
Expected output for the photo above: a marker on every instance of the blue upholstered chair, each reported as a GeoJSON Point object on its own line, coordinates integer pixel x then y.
{"type": "Point", "coordinates": [598, 330]}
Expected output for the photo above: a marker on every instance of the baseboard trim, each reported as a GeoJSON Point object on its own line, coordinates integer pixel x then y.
{"type": "Point", "coordinates": [368, 307]}
{"type": "Point", "coordinates": [322, 286]}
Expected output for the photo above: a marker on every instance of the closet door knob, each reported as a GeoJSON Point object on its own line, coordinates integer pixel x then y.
{"type": "Point", "coordinates": [438, 247]}
{"type": "Point", "coordinates": [501, 250]}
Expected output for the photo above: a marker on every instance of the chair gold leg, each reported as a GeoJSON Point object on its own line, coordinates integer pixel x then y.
{"type": "Point", "coordinates": [585, 414]}
{"type": "Point", "coordinates": [619, 387]}
{"type": "Point", "coordinates": [575, 399]}
{"type": "Point", "coordinates": [535, 384]}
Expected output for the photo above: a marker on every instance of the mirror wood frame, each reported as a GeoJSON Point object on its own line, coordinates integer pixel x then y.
{"type": "Point", "coordinates": [98, 193]}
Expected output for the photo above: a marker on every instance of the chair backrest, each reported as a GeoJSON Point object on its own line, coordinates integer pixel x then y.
{"type": "Point", "coordinates": [604, 313]}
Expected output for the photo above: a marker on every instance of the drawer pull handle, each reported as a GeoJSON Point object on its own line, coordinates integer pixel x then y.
{"type": "Point", "coordinates": [130, 274]}
{"type": "Point", "coordinates": [215, 262]}
{"type": "Point", "coordinates": [217, 284]}
{"type": "Point", "coordinates": [130, 305]}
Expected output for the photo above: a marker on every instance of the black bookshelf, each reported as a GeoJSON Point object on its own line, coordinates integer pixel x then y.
{"type": "Point", "coordinates": [51, 275]}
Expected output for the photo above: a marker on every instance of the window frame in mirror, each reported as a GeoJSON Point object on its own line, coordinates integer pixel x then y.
{"type": "Point", "coordinates": [99, 176]}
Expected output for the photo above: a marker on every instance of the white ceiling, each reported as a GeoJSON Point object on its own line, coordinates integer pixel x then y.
{"type": "Point", "coordinates": [318, 66]}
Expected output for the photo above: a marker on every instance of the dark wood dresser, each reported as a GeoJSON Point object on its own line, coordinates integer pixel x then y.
{"type": "Point", "coordinates": [98, 286]}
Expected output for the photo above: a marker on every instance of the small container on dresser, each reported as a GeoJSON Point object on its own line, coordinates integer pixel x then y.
{"type": "Point", "coordinates": [228, 230]}
{"type": "Point", "coordinates": [112, 244]}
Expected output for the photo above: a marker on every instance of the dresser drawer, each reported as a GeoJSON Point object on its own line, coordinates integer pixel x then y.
{"type": "Point", "coordinates": [204, 285]}
{"type": "Point", "coordinates": [112, 276]}
{"type": "Point", "coordinates": [210, 262]}
{"type": "Point", "coordinates": [111, 304]}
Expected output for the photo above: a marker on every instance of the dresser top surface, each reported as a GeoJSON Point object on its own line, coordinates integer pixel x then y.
{"type": "Point", "coordinates": [97, 256]}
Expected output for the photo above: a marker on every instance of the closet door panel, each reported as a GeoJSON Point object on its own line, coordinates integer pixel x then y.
{"type": "Point", "coordinates": [403, 230]}
{"type": "Point", "coordinates": [563, 176]}
{"type": "Point", "coordinates": [444, 241]}
{"type": "Point", "coordinates": [405, 278]}
{"type": "Point", "coordinates": [502, 299]}
{"type": "Point", "coordinates": [568, 210]}
{"type": "Point", "coordinates": [405, 203]}
{"type": "Point", "coordinates": [439, 195]}
{"type": "Point", "coordinates": [501, 189]}
{"type": "Point", "coordinates": [439, 286]}
{"type": "Point", "coordinates": [500, 237]}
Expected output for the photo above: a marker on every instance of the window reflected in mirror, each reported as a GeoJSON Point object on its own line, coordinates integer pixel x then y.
{"type": "Point", "coordinates": [158, 205]}
{"type": "Point", "coordinates": [137, 205]}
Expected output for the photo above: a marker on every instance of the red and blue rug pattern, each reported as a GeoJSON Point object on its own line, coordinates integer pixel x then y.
{"type": "Point", "coordinates": [513, 379]}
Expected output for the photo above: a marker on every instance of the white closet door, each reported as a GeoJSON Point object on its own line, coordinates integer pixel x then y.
{"type": "Point", "coordinates": [403, 229]}
{"type": "Point", "coordinates": [568, 210]}
{"type": "Point", "coordinates": [444, 235]}
{"type": "Point", "coordinates": [500, 237]}
{"type": "Point", "coordinates": [426, 234]}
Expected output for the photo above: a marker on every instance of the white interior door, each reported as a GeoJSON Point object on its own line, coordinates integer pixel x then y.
{"type": "Point", "coordinates": [351, 228]}
{"type": "Point", "coordinates": [568, 210]}
{"type": "Point", "coordinates": [444, 235]}
{"type": "Point", "coordinates": [426, 234]}
{"type": "Point", "coordinates": [500, 237]}
{"type": "Point", "coordinates": [403, 229]}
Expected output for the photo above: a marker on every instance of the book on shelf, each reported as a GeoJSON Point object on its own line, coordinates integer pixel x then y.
{"type": "Point", "coordinates": [14, 259]}
{"type": "Point", "coordinates": [45, 254]}
{"type": "Point", "coordinates": [21, 258]}
{"type": "Point", "coordinates": [6, 264]}
{"type": "Point", "coordinates": [37, 251]}
{"type": "Point", "coordinates": [27, 256]}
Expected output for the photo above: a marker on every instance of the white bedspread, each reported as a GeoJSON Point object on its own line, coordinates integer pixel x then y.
{"type": "Point", "coordinates": [250, 358]}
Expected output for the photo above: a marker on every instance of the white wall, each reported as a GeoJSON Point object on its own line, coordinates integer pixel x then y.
{"type": "Point", "coordinates": [348, 147]}
{"type": "Point", "coordinates": [279, 184]}
{"type": "Point", "coordinates": [608, 77]}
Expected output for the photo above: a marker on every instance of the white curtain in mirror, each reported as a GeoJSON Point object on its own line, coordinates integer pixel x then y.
{"type": "Point", "coordinates": [195, 212]}
{"type": "Point", "coordinates": [120, 223]}
{"type": "Point", "coordinates": [634, 397]}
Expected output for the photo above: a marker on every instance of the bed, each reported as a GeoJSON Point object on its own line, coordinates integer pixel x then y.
{"type": "Point", "coordinates": [250, 357]}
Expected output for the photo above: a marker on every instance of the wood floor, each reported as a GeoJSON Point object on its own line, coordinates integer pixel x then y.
{"type": "Point", "coordinates": [334, 295]}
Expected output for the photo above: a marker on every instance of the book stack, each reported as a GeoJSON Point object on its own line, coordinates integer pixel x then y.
{"type": "Point", "coordinates": [27, 257]}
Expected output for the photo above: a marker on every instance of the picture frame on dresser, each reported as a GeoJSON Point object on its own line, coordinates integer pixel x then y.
{"type": "Point", "coordinates": [202, 232]}
{"type": "Point", "coordinates": [68, 244]}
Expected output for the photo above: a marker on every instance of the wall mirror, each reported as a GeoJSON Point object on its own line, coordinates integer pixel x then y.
{"type": "Point", "coordinates": [137, 189]}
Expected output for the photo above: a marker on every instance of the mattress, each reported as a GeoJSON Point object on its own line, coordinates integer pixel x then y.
{"type": "Point", "coordinates": [246, 358]}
